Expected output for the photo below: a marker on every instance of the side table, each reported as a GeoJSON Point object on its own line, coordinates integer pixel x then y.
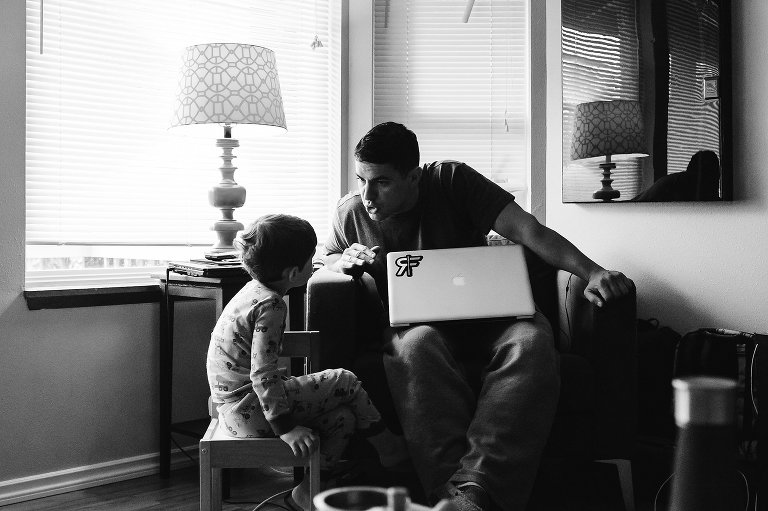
{"type": "Point", "coordinates": [179, 287]}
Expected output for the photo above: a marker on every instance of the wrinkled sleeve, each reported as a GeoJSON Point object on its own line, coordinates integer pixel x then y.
{"type": "Point", "coordinates": [268, 323]}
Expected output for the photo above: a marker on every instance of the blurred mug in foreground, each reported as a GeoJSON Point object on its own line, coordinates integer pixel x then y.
{"type": "Point", "coordinates": [362, 498]}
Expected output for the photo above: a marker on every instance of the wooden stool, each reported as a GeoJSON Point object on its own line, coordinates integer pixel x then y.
{"type": "Point", "coordinates": [219, 450]}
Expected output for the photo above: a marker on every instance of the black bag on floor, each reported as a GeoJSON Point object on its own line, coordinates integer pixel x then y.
{"type": "Point", "coordinates": [656, 346]}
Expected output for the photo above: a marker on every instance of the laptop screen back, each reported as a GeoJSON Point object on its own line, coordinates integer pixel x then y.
{"type": "Point", "coordinates": [458, 284]}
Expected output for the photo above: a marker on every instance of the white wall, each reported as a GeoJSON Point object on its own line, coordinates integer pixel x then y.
{"type": "Point", "coordinates": [79, 385]}
{"type": "Point", "coordinates": [695, 265]}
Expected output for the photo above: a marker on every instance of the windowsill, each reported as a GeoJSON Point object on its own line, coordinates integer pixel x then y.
{"type": "Point", "coordinates": [65, 298]}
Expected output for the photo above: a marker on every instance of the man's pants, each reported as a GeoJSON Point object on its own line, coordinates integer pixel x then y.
{"type": "Point", "coordinates": [487, 425]}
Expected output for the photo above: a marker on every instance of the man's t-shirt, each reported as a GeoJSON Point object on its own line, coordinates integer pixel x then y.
{"type": "Point", "coordinates": [457, 207]}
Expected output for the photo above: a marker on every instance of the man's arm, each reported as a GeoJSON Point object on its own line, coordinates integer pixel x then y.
{"type": "Point", "coordinates": [521, 227]}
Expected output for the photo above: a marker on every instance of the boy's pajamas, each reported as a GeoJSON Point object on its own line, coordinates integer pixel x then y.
{"type": "Point", "coordinates": [254, 396]}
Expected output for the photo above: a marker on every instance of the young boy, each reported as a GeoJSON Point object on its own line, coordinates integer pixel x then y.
{"type": "Point", "coordinates": [253, 395]}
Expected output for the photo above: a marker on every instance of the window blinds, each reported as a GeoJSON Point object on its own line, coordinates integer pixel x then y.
{"type": "Point", "coordinates": [694, 122]}
{"type": "Point", "coordinates": [106, 178]}
{"type": "Point", "coordinates": [461, 87]}
{"type": "Point", "coordinates": [600, 63]}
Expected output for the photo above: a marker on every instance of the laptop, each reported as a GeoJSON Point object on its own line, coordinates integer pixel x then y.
{"type": "Point", "coordinates": [458, 284]}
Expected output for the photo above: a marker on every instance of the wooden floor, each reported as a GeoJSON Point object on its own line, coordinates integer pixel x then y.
{"type": "Point", "coordinates": [178, 493]}
{"type": "Point", "coordinates": [579, 492]}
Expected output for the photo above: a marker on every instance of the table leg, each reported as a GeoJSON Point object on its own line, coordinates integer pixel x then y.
{"type": "Point", "coordinates": [166, 380]}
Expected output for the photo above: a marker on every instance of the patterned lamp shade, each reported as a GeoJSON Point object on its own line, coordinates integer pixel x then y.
{"type": "Point", "coordinates": [229, 83]}
{"type": "Point", "coordinates": [607, 128]}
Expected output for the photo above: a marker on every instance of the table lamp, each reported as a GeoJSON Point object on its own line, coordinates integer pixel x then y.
{"type": "Point", "coordinates": [606, 129]}
{"type": "Point", "coordinates": [228, 84]}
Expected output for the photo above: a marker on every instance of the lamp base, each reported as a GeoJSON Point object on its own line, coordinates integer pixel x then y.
{"type": "Point", "coordinates": [607, 193]}
{"type": "Point", "coordinates": [227, 195]}
{"type": "Point", "coordinates": [226, 231]}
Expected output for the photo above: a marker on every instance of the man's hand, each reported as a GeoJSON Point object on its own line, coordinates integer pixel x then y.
{"type": "Point", "coordinates": [354, 259]}
{"type": "Point", "coordinates": [604, 286]}
{"type": "Point", "coordinates": [303, 441]}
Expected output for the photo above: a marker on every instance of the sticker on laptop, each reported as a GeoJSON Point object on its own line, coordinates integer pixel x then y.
{"type": "Point", "coordinates": [406, 264]}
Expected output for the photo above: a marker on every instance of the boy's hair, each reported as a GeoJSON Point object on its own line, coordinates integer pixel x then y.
{"type": "Point", "coordinates": [275, 242]}
{"type": "Point", "coordinates": [389, 143]}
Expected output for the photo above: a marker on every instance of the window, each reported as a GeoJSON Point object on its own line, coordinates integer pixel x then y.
{"type": "Point", "coordinates": [461, 87]}
{"type": "Point", "coordinates": [694, 55]}
{"type": "Point", "coordinates": [112, 193]}
{"type": "Point", "coordinates": [600, 63]}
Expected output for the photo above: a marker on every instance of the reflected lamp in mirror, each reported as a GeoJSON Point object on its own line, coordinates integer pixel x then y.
{"type": "Point", "coordinates": [222, 85]}
{"type": "Point", "coordinates": [605, 130]}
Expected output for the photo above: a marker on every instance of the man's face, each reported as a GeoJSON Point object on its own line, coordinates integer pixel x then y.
{"type": "Point", "coordinates": [386, 192]}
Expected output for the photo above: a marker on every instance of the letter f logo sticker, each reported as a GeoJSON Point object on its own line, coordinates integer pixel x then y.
{"type": "Point", "coordinates": [406, 264]}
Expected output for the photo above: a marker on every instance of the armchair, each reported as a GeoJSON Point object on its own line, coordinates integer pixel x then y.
{"type": "Point", "coordinates": [596, 414]}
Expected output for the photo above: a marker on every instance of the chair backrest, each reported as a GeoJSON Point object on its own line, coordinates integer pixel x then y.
{"type": "Point", "coordinates": [297, 345]}
{"type": "Point", "coordinates": [302, 344]}
{"type": "Point", "coordinates": [543, 284]}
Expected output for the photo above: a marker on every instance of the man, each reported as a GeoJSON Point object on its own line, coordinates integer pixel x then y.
{"type": "Point", "coordinates": [700, 181]}
{"type": "Point", "coordinates": [474, 439]}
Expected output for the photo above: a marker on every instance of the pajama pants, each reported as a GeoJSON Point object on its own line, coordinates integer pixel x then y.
{"type": "Point", "coordinates": [332, 403]}
{"type": "Point", "coordinates": [486, 421]}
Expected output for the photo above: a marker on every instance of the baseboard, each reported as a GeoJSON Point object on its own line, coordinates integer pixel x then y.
{"type": "Point", "coordinates": [63, 481]}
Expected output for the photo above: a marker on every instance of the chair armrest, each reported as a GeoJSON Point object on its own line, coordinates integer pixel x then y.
{"type": "Point", "coordinates": [607, 337]}
{"type": "Point", "coordinates": [331, 310]}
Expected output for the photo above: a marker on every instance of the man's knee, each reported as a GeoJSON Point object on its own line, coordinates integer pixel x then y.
{"type": "Point", "coordinates": [534, 345]}
{"type": "Point", "coordinates": [411, 343]}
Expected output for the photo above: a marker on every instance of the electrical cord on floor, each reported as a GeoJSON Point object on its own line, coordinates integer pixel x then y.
{"type": "Point", "coordinates": [183, 451]}
{"type": "Point", "coordinates": [259, 503]}
{"type": "Point", "coordinates": [268, 500]}
{"type": "Point", "coordinates": [743, 478]}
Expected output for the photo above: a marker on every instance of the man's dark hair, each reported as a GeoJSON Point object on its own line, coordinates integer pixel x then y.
{"type": "Point", "coordinates": [275, 242]}
{"type": "Point", "coordinates": [389, 143]}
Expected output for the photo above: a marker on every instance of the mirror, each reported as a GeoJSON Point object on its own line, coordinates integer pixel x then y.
{"type": "Point", "coordinates": [646, 100]}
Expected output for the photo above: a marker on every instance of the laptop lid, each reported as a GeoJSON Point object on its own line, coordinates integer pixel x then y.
{"type": "Point", "coordinates": [458, 284]}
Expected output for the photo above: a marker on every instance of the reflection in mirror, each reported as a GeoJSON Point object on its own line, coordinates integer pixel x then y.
{"type": "Point", "coordinates": [659, 71]}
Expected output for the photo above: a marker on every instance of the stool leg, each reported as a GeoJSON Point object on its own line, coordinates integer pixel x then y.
{"type": "Point", "coordinates": [206, 480]}
{"type": "Point", "coordinates": [215, 489]}
{"type": "Point", "coordinates": [314, 478]}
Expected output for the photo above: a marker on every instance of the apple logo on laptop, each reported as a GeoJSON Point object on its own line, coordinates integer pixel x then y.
{"type": "Point", "coordinates": [459, 280]}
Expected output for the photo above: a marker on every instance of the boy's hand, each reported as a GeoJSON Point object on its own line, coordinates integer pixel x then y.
{"type": "Point", "coordinates": [303, 441]}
